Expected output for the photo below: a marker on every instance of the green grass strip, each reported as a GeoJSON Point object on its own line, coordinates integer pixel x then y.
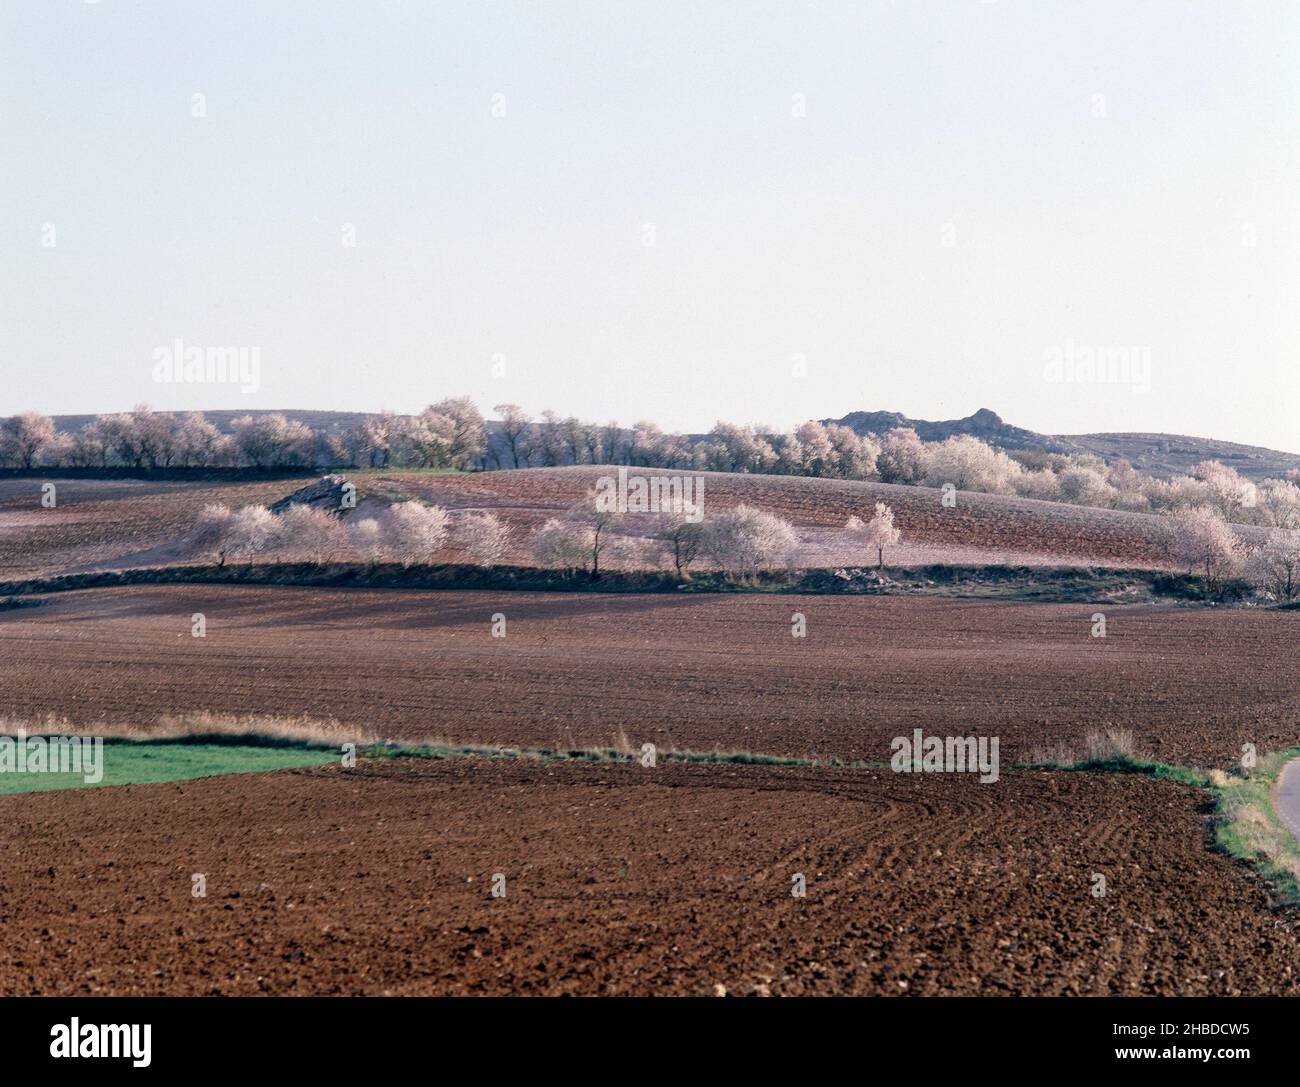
{"type": "Point", "coordinates": [140, 763]}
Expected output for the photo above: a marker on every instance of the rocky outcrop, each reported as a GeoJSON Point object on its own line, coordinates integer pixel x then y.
{"type": "Point", "coordinates": [326, 493]}
{"type": "Point", "coordinates": [984, 424]}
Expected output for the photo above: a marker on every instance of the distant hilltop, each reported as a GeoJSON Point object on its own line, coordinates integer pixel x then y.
{"type": "Point", "coordinates": [985, 425]}
{"type": "Point", "coordinates": [1156, 454]}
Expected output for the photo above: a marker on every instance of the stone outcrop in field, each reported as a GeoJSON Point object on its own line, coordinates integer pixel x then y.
{"type": "Point", "coordinates": [326, 493]}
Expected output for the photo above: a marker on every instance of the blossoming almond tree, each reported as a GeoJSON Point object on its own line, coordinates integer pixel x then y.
{"type": "Point", "coordinates": [745, 540]}
{"type": "Point", "coordinates": [366, 539]}
{"type": "Point", "coordinates": [1202, 541]}
{"type": "Point", "coordinates": [211, 535]}
{"type": "Point", "coordinates": [564, 545]}
{"type": "Point", "coordinates": [484, 537]}
{"type": "Point", "coordinates": [880, 532]}
{"type": "Point", "coordinates": [413, 532]}
{"type": "Point", "coordinates": [252, 530]}
{"type": "Point", "coordinates": [1275, 567]}
{"type": "Point", "coordinates": [310, 531]}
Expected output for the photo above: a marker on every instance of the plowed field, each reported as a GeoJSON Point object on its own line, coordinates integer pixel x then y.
{"type": "Point", "coordinates": [113, 523]}
{"type": "Point", "coordinates": [696, 672]}
{"type": "Point", "coordinates": [109, 522]}
{"type": "Point", "coordinates": [980, 528]}
{"type": "Point", "coordinates": [620, 879]}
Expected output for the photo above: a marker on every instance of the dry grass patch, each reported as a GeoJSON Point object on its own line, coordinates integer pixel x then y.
{"type": "Point", "coordinates": [255, 729]}
{"type": "Point", "coordinates": [1058, 755]}
{"type": "Point", "coordinates": [1110, 745]}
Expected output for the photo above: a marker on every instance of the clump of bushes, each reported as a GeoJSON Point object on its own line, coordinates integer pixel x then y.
{"type": "Point", "coordinates": [409, 533]}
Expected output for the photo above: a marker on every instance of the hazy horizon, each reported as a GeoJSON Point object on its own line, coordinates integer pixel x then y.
{"type": "Point", "coordinates": [675, 213]}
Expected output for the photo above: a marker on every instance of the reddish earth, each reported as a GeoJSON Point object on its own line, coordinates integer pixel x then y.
{"type": "Point", "coordinates": [133, 522]}
{"type": "Point", "coordinates": [696, 672]}
{"type": "Point", "coordinates": [622, 879]}
{"type": "Point", "coordinates": [980, 528]}
{"type": "Point", "coordinates": [627, 880]}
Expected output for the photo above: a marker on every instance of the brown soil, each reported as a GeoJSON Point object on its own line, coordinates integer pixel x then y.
{"type": "Point", "coordinates": [141, 522]}
{"type": "Point", "coordinates": [621, 879]}
{"type": "Point", "coordinates": [691, 672]}
{"type": "Point", "coordinates": [980, 528]}
{"type": "Point", "coordinates": [94, 522]}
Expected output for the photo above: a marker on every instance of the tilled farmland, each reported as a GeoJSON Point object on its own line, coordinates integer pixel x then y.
{"type": "Point", "coordinates": [690, 672]}
{"type": "Point", "coordinates": [622, 879]}
{"type": "Point", "coordinates": [100, 524]}
{"type": "Point", "coordinates": [979, 528]}
{"type": "Point", "coordinates": [619, 878]}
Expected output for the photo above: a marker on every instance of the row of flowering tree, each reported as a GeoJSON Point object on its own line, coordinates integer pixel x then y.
{"type": "Point", "coordinates": [452, 434]}
{"type": "Point", "coordinates": [410, 533]}
{"type": "Point", "coordinates": [741, 541]}
{"type": "Point", "coordinates": [449, 434]}
{"type": "Point", "coordinates": [1202, 542]}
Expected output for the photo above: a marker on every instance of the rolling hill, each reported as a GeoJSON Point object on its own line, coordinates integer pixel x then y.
{"type": "Point", "coordinates": [1155, 454]}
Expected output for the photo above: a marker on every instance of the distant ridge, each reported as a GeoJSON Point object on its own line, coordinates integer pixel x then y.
{"type": "Point", "coordinates": [1170, 454]}
{"type": "Point", "coordinates": [984, 424]}
{"type": "Point", "coordinates": [1157, 454]}
{"type": "Point", "coordinates": [328, 422]}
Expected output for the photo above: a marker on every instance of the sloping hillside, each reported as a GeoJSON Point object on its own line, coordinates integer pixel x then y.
{"type": "Point", "coordinates": [104, 521]}
{"type": "Point", "coordinates": [982, 528]}
{"type": "Point", "coordinates": [1157, 454]}
{"type": "Point", "coordinates": [139, 522]}
{"type": "Point", "coordinates": [1171, 454]}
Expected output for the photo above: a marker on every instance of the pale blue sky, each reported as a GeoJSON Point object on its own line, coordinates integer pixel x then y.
{"type": "Point", "coordinates": [1115, 223]}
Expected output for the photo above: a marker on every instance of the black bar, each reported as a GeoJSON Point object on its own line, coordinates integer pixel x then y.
{"type": "Point", "coordinates": [606, 1037]}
